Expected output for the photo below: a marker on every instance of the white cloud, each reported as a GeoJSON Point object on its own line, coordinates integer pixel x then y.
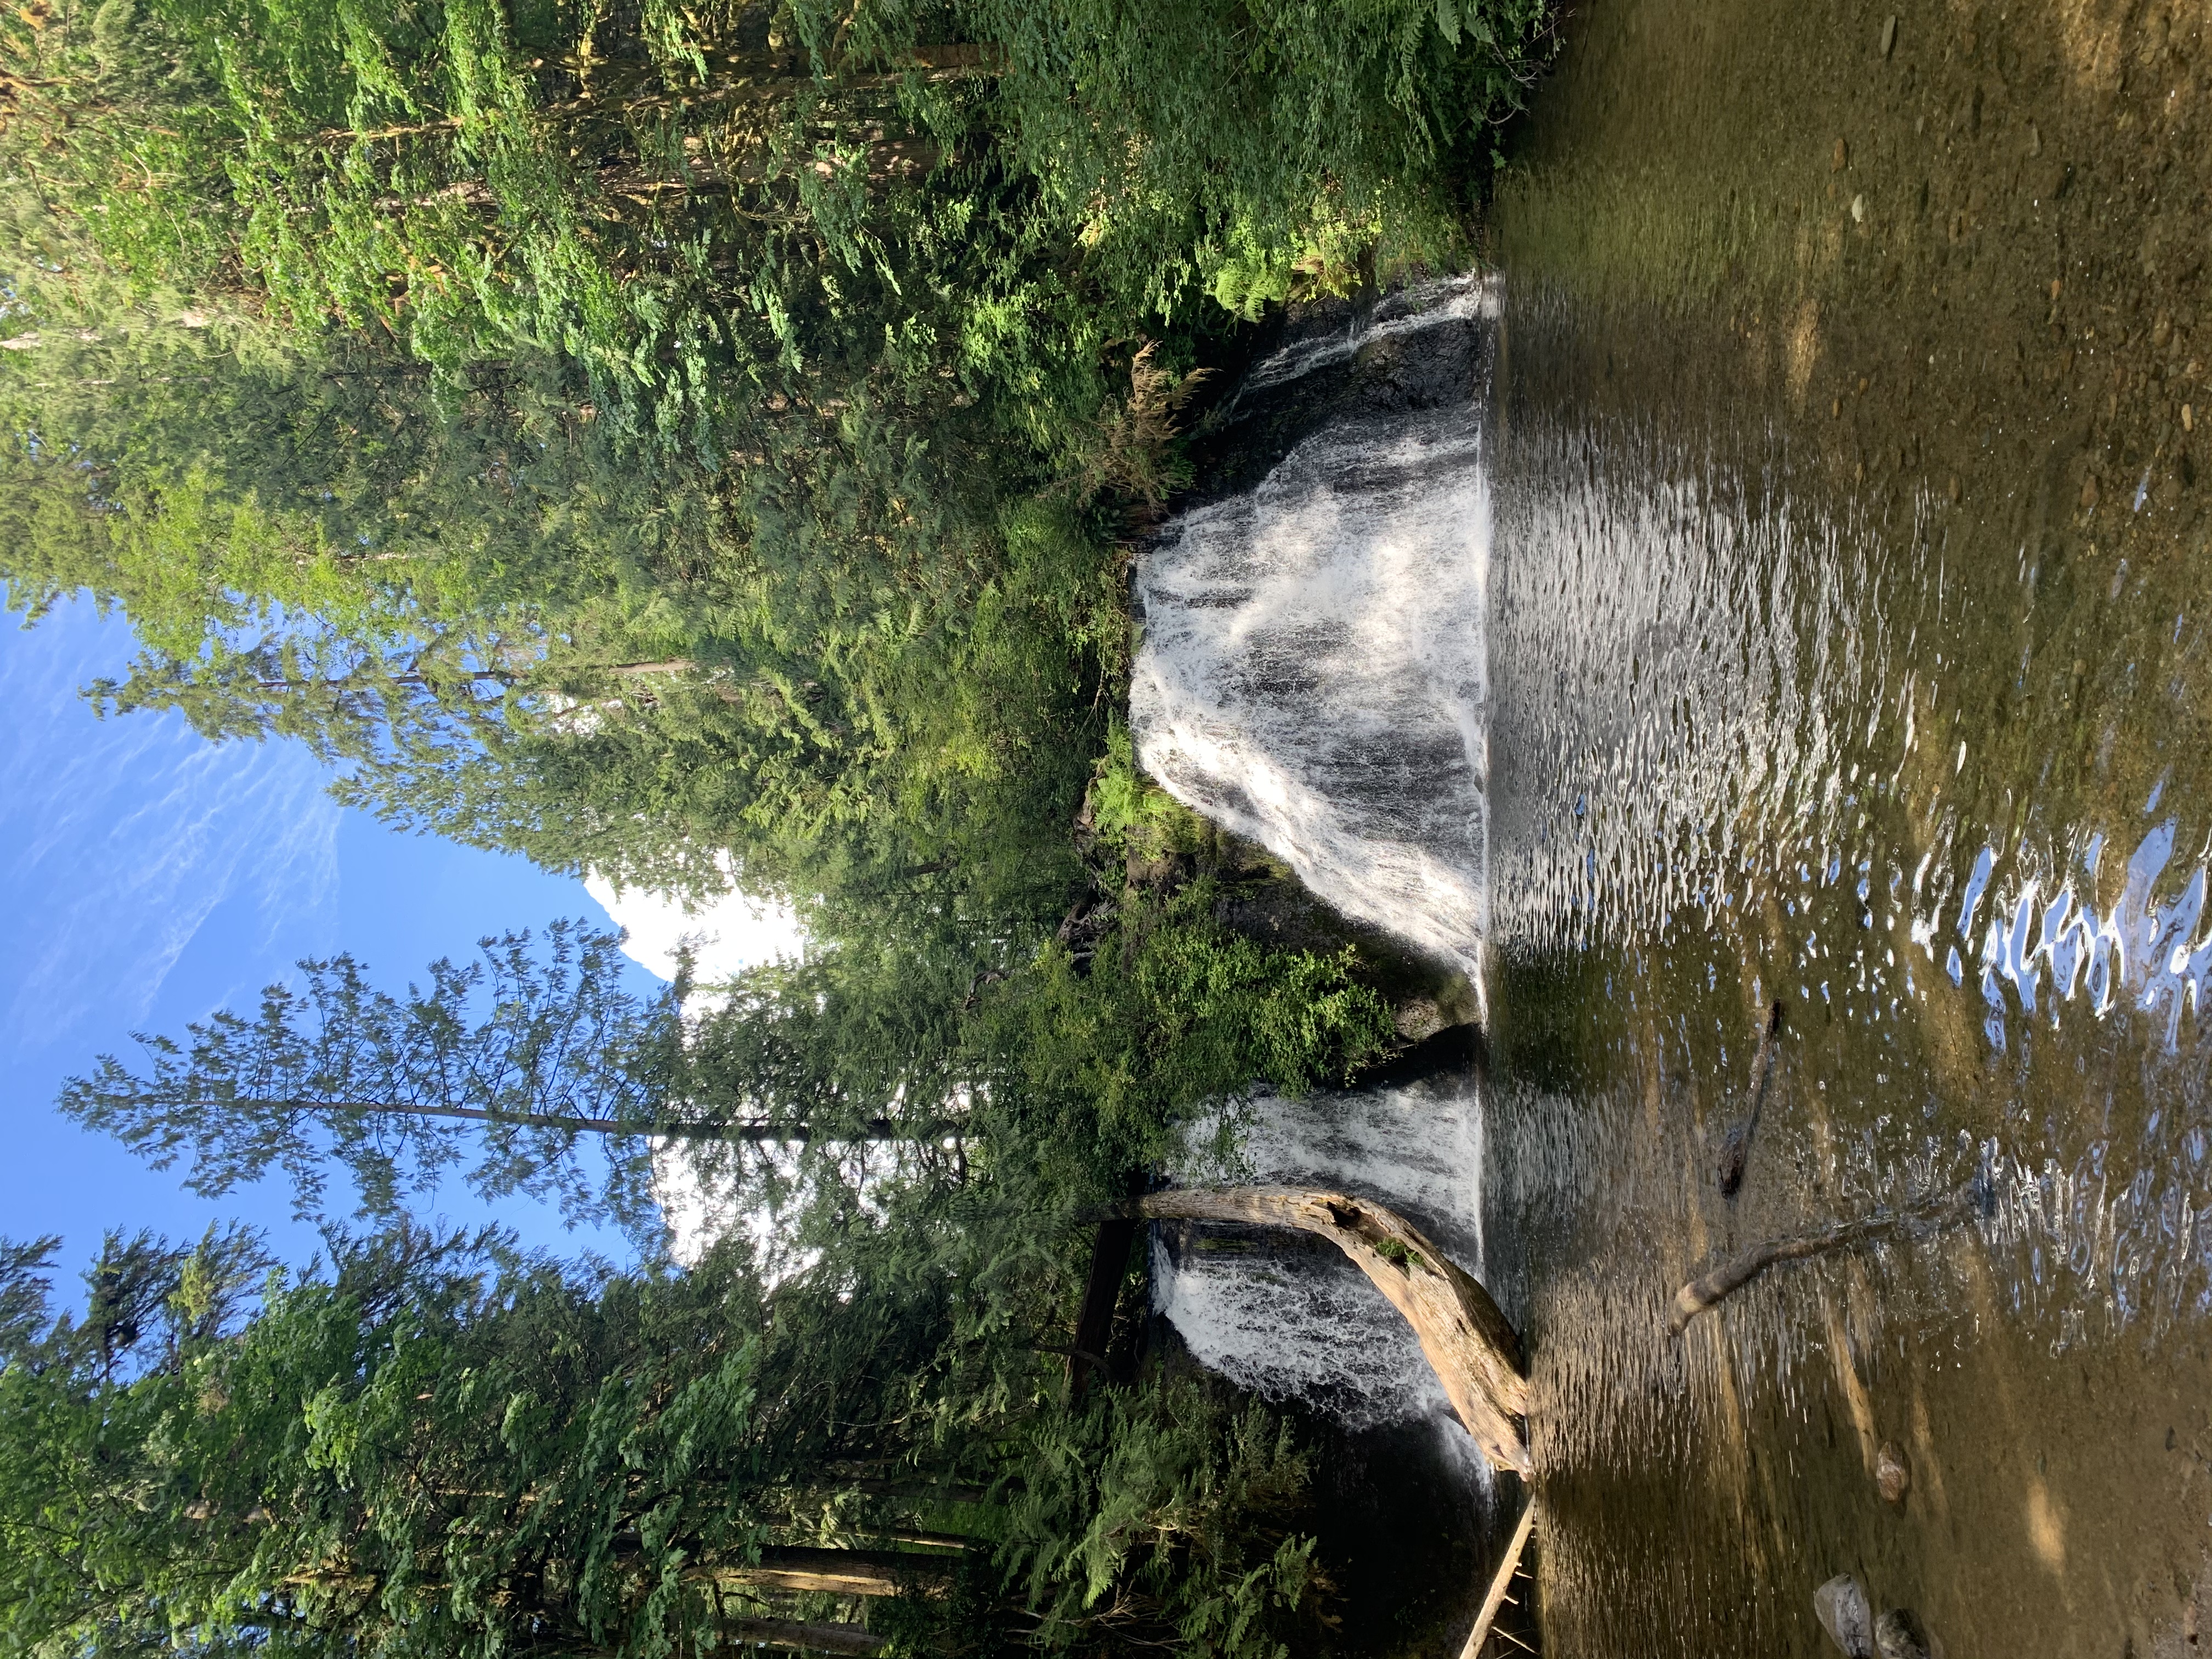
{"type": "Point", "coordinates": [120, 840]}
{"type": "Point", "coordinates": [727, 936]}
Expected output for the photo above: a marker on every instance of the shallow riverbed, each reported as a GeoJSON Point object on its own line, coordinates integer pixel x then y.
{"type": "Point", "coordinates": [1846, 649]}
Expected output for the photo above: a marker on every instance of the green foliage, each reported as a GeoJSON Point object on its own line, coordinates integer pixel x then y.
{"type": "Point", "coordinates": [24, 1294]}
{"type": "Point", "coordinates": [147, 1302]}
{"type": "Point", "coordinates": [1173, 1010]}
{"type": "Point", "coordinates": [537, 1065]}
{"type": "Point", "coordinates": [1405, 1255]}
{"type": "Point", "coordinates": [405, 1456]}
{"type": "Point", "coordinates": [1234, 146]}
{"type": "Point", "coordinates": [436, 1446]}
{"type": "Point", "coordinates": [1167, 1514]}
{"type": "Point", "coordinates": [1132, 816]}
{"type": "Point", "coordinates": [500, 626]}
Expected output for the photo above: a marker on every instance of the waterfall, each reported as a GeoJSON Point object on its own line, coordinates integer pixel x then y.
{"type": "Point", "coordinates": [1311, 671]}
{"type": "Point", "coordinates": [1290, 1318]}
{"type": "Point", "coordinates": [1311, 676]}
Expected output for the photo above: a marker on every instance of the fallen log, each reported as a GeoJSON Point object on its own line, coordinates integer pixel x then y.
{"type": "Point", "coordinates": [836, 1571]}
{"type": "Point", "coordinates": [806, 1638]}
{"type": "Point", "coordinates": [1930, 1214]}
{"type": "Point", "coordinates": [1507, 1566]}
{"type": "Point", "coordinates": [1475, 1353]}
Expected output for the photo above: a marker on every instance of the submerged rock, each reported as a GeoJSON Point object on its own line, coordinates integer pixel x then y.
{"type": "Point", "coordinates": [1897, 1635]}
{"type": "Point", "coordinates": [1842, 1608]}
{"type": "Point", "coordinates": [1892, 1475]}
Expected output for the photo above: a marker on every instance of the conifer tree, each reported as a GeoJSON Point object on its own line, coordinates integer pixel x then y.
{"type": "Point", "coordinates": [435, 1446]}
{"type": "Point", "coordinates": [894, 1079]}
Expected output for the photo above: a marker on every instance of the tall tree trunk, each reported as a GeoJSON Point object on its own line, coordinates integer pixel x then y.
{"type": "Point", "coordinates": [773, 79]}
{"type": "Point", "coordinates": [1102, 1294]}
{"type": "Point", "coordinates": [874, 1128]}
{"type": "Point", "coordinates": [1475, 1353]}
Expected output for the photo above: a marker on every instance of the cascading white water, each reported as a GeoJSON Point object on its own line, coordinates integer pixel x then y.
{"type": "Point", "coordinates": [1464, 298]}
{"type": "Point", "coordinates": [1311, 671]}
{"type": "Point", "coordinates": [1294, 1321]}
{"type": "Point", "coordinates": [1311, 676]}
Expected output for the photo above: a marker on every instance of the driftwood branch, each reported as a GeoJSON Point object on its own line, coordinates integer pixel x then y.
{"type": "Point", "coordinates": [1507, 1566]}
{"type": "Point", "coordinates": [1737, 1147]}
{"type": "Point", "coordinates": [1475, 1353]}
{"type": "Point", "coordinates": [1699, 1294]}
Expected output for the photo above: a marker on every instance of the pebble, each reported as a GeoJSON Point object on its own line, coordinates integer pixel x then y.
{"type": "Point", "coordinates": [1858, 209]}
{"type": "Point", "coordinates": [1841, 1607]}
{"type": "Point", "coordinates": [1892, 1475]}
{"type": "Point", "coordinates": [1897, 1635]}
{"type": "Point", "coordinates": [1889, 35]}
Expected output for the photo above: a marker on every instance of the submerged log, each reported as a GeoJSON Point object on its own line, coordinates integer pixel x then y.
{"type": "Point", "coordinates": [1475, 1353]}
{"type": "Point", "coordinates": [1737, 1147]}
{"type": "Point", "coordinates": [1973, 1199]}
{"type": "Point", "coordinates": [1508, 1565]}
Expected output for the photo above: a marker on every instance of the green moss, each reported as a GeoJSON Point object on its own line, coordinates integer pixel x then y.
{"type": "Point", "coordinates": [1402, 1255]}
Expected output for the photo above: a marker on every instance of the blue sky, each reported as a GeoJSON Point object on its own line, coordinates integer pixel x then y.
{"type": "Point", "coordinates": [150, 877]}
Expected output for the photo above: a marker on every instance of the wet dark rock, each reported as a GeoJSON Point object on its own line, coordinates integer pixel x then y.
{"type": "Point", "coordinates": [1844, 1612]}
{"type": "Point", "coordinates": [1892, 1475]}
{"type": "Point", "coordinates": [1418, 1018]}
{"type": "Point", "coordinates": [1897, 1635]}
{"type": "Point", "coordinates": [1377, 374]}
{"type": "Point", "coordinates": [1453, 1052]}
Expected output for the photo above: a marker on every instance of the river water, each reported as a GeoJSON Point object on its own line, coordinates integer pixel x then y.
{"type": "Point", "coordinates": [1806, 608]}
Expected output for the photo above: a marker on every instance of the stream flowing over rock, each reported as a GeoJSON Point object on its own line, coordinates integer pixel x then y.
{"type": "Point", "coordinates": [1311, 674]}
{"type": "Point", "coordinates": [1290, 1317]}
